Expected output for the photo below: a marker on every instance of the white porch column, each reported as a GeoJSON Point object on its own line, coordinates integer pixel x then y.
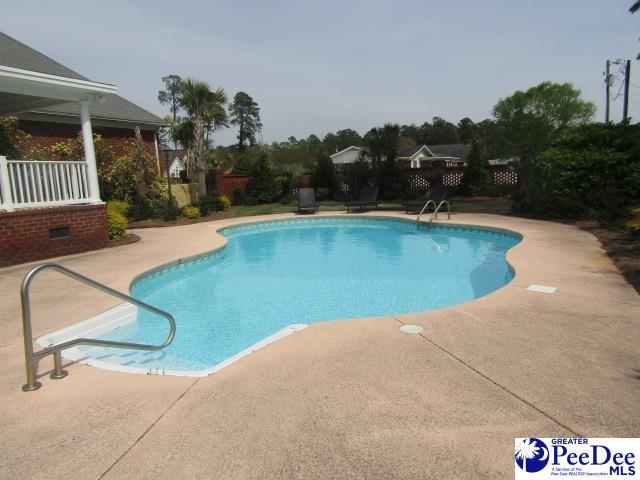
{"type": "Point", "coordinates": [89, 152]}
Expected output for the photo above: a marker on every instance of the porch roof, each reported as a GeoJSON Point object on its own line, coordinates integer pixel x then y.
{"type": "Point", "coordinates": [30, 79]}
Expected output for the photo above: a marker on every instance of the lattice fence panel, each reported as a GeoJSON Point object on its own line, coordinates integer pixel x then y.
{"type": "Point", "coordinates": [452, 179]}
{"type": "Point", "coordinates": [505, 177]}
{"type": "Point", "coordinates": [417, 183]}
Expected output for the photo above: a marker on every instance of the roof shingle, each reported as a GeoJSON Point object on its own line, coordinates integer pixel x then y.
{"type": "Point", "coordinates": [16, 54]}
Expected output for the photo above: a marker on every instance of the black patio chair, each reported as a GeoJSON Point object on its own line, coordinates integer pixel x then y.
{"type": "Point", "coordinates": [307, 200]}
{"type": "Point", "coordinates": [368, 198]}
{"type": "Point", "coordinates": [417, 204]}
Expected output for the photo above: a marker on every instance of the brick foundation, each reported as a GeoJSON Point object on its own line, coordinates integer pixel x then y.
{"type": "Point", "coordinates": [27, 235]}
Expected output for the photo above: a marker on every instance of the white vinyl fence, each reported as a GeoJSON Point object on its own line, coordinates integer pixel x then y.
{"type": "Point", "coordinates": [34, 183]}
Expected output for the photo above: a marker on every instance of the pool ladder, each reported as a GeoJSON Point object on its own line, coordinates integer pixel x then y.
{"type": "Point", "coordinates": [32, 358]}
{"type": "Point", "coordinates": [434, 215]}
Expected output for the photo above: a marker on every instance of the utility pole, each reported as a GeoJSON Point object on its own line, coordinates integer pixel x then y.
{"type": "Point", "coordinates": [627, 76]}
{"type": "Point", "coordinates": [607, 82]}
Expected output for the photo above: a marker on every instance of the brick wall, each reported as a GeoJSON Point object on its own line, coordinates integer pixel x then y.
{"type": "Point", "coordinates": [25, 235]}
{"type": "Point", "coordinates": [47, 134]}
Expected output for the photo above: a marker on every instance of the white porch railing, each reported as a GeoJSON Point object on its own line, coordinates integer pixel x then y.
{"type": "Point", "coordinates": [34, 183]}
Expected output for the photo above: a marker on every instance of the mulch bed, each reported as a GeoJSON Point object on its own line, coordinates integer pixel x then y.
{"type": "Point", "coordinates": [158, 222]}
{"type": "Point", "coordinates": [128, 238]}
{"type": "Point", "coordinates": [624, 253]}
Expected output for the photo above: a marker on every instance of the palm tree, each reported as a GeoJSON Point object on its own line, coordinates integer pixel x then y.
{"type": "Point", "coordinates": [526, 450]}
{"type": "Point", "coordinates": [205, 114]}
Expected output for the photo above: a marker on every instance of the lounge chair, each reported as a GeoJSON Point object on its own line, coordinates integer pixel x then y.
{"type": "Point", "coordinates": [418, 203]}
{"type": "Point", "coordinates": [368, 198]}
{"type": "Point", "coordinates": [307, 200]}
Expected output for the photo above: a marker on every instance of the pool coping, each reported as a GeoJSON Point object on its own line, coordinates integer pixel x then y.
{"type": "Point", "coordinates": [93, 324]}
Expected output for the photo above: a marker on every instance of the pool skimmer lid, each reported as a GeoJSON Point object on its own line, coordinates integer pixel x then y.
{"type": "Point", "coordinates": [411, 329]}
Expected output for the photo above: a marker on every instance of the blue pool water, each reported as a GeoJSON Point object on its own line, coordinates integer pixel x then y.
{"type": "Point", "coordinates": [271, 275]}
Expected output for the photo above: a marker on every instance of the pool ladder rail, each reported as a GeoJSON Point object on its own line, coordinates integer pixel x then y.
{"type": "Point", "coordinates": [32, 358]}
{"type": "Point", "coordinates": [434, 215]}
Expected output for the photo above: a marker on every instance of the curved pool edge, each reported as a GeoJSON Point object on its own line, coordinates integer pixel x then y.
{"type": "Point", "coordinates": [294, 218]}
{"type": "Point", "coordinates": [76, 355]}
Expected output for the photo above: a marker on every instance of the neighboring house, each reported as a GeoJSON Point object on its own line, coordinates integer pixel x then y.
{"type": "Point", "coordinates": [174, 161]}
{"type": "Point", "coordinates": [453, 154]}
{"type": "Point", "coordinates": [349, 155]}
{"type": "Point", "coordinates": [415, 156]}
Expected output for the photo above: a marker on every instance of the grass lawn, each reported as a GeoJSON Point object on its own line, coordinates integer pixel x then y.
{"type": "Point", "coordinates": [500, 205]}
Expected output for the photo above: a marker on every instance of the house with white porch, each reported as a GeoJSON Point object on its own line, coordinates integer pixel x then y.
{"type": "Point", "coordinates": [48, 208]}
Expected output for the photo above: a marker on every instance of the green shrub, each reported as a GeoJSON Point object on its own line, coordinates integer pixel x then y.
{"type": "Point", "coordinates": [263, 185]}
{"type": "Point", "coordinates": [322, 193]}
{"type": "Point", "coordinates": [209, 203]}
{"type": "Point", "coordinates": [250, 200]}
{"type": "Point", "coordinates": [171, 210]}
{"type": "Point", "coordinates": [593, 171]}
{"type": "Point", "coordinates": [595, 183]}
{"type": "Point", "coordinates": [191, 212]}
{"type": "Point", "coordinates": [222, 203]}
{"type": "Point", "coordinates": [117, 224]}
{"type": "Point", "coordinates": [118, 206]}
{"type": "Point", "coordinates": [239, 196]}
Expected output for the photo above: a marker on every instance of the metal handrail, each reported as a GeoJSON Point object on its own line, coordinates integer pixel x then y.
{"type": "Point", "coordinates": [434, 215]}
{"type": "Point", "coordinates": [435, 212]}
{"type": "Point", "coordinates": [31, 358]}
{"type": "Point", "coordinates": [423, 209]}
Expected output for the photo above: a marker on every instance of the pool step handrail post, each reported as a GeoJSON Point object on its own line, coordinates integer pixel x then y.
{"type": "Point", "coordinates": [434, 215]}
{"type": "Point", "coordinates": [32, 358]}
{"type": "Point", "coordinates": [428, 202]}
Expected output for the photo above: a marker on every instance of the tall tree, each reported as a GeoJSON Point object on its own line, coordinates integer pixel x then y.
{"type": "Point", "coordinates": [382, 144]}
{"type": "Point", "coordinates": [476, 179]}
{"type": "Point", "coordinates": [439, 132]}
{"type": "Point", "coordinates": [245, 113]}
{"type": "Point", "coordinates": [171, 96]}
{"type": "Point", "coordinates": [532, 118]}
{"type": "Point", "coordinates": [348, 138]}
{"type": "Point", "coordinates": [331, 143]}
{"type": "Point", "coordinates": [467, 130]}
{"type": "Point", "coordinates": [205, 110]}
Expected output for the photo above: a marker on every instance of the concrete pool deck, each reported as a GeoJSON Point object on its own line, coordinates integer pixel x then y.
{"type": "Point", "coordinates": [346, 399]}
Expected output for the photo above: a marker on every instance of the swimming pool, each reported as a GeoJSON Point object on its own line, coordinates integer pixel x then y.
{"type": "Point", "coordinates": [272, 275]}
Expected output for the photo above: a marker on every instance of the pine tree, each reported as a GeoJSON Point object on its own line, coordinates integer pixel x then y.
{"type": "Point", "coordinates": [245, 113]}
{"type": "Point", "coordinates": [476, 179]}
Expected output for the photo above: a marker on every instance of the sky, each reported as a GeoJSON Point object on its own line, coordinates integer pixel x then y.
{"type": "Point", "coordinates": [321, 66]}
